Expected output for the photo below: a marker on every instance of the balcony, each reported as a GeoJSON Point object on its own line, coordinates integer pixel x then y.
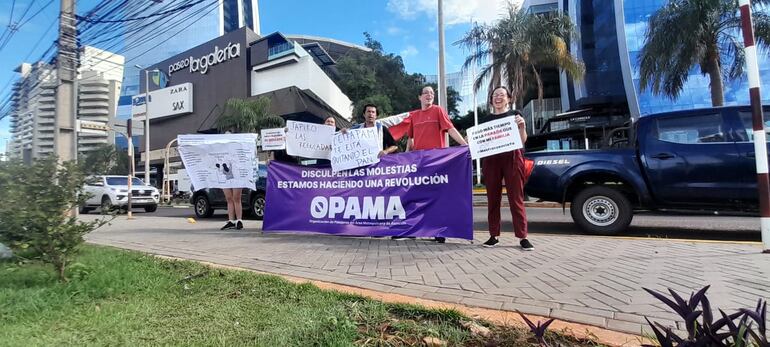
{"type": "Point", "coordinates": [86, 112]}
{"type": "Point", "coordinates": [95, 88]}
{"type": "Point", "coordinates": [283, 49]}
{"type": "Point", "coordinates": [96, 96]}
{"type": "Point", "coordinates": [94, 104]}
{"type": "Point", "coordinates": [102, 119]}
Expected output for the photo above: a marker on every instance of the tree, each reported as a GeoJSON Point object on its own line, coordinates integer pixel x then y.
{"type": "Point", "coordinates": [248, 116]}
{"type": "Point", "coordinates": [381, 79]}
{"type": "Point", "coordinates": [105, 160]}
{"type": "Point", "coordinates": [462, 123]}
{"type": "Point", "coordinates": [518, 46]}
{"type": "Point", "coordinates": [686, 33]}
{"type": "Point", "coordinates": [33, 216]}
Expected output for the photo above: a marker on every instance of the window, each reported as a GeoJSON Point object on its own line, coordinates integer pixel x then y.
{"type": "Point", "coordinates": [94, 181]}
{"type": "Point", "coordinates": [123, 181]}
{"type": "Point", "coordinates": [230, 15]}
{"type": "Point", "coordinates": [248, 15]}
{"type": "Point", "coordinates": [691, 129]}
{"type": "Point", "coordinates": [748, 135]}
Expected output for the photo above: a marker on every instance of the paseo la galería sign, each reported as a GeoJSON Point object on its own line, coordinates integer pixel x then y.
{"type": "Point", "coordinates": [202, 64]}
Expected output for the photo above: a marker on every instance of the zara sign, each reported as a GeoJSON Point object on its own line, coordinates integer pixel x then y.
{"type": "Point", "coordinates": [170, 101]}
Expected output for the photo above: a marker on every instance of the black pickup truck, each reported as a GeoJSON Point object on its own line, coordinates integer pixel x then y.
{"type": "Point", "coordinates": [686, 160]}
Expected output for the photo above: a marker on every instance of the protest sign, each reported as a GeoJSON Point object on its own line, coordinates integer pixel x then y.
{"type": "Point", "coordinates": [219, 161]}
{"type": "Point", "coordinates": [273, 139]}
{"type": "Point", "coordinates": [309, 140]}
{"type": "Point", "coordinates": [493, 137]}
{"type": "Point", "coordinates": [421, 193]}
{"type": "Point", "coordinates": [355, 148]}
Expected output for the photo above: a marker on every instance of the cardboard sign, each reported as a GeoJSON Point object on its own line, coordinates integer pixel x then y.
{"type": "Point", "coordinates": [309, 140]}
{"type": "Point", "coordinates": [493, 137]}
{"type": "Point", "coordinates": [356, 148]}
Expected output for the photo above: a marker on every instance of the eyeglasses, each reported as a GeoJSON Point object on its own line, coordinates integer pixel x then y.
{"type": "Point", "coordinates": [499, 95]}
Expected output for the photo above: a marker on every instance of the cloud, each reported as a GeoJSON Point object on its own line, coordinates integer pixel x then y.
{"type": "Point", "coordinates": [455, 11]}
{"type": "Point", "coordinates": [409, 51]}
{"type": "Point", "coordinates": [433, 45]}
{"type": "Point", "coordinates": [395, 31]}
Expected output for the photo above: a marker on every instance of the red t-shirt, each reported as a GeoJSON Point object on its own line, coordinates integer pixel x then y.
{"type": "Point", "coordinates": [427, 127]}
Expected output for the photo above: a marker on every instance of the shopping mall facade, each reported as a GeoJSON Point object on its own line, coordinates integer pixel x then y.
{"type": "Point", "coordinates": [189, 91]}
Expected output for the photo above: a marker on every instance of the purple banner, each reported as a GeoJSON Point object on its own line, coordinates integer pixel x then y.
{"type": "Point", "coordinates": [422, 194]}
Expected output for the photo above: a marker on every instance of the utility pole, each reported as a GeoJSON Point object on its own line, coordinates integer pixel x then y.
{"type": "Point", "coordinates": [758, 124]}
{"type": "Point", "coordinates": [130, 141]}
{"type": "Point", "coordinates": [65, 135]}
{"type": "Point", "coordinates": [442, 97]}
{"type": "Point", "coordinates": [147, 128]}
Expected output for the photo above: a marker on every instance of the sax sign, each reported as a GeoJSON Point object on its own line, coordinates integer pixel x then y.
{"type": "Point", "coordinates": [171, 101]}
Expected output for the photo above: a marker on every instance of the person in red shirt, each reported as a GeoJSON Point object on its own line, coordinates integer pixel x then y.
{"type": "Point", "coordinates": [427, 127]}
{"type": "Point", "coordinates": [428, 124]}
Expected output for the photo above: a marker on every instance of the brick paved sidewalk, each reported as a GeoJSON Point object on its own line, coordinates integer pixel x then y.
{"type": "Point", "coordinates": [591, 280]}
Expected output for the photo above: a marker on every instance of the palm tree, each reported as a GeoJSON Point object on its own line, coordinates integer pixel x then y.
{"type": "Point", "coordinates": [519, 45]}
{"type": "Point", "coordinates": [706, 33]}
{"type": "Point", "coordinates": [248, 116]}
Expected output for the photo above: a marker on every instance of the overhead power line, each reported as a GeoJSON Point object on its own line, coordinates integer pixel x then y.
{"type": "Point", "coordinates": [180, 8]}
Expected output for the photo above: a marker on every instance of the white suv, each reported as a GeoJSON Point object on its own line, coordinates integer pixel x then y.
{"type": "Point", "coordinates": [109, 192]}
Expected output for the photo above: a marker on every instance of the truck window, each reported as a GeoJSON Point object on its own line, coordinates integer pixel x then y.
{"type": "Point", "coordinates": [691, 129]}
{"type": "Point", "coordinates": [748, 135]}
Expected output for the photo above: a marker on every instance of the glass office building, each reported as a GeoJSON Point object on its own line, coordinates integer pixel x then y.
{"type": "Point", "coordinates": [696, 92]}
{"type": "Point", "coordinates": [194, 26]}
{"type": "Point", "coordinates": [612, 33]}
{"type": "Point", "coordinates": [462, 82]}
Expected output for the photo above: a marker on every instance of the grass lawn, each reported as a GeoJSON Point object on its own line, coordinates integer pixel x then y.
{"type": "Point", "coordinates": [118, 297]}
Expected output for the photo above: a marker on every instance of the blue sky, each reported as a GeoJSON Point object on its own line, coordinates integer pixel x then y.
{"type": "Point", "coordinates": [404, 27]}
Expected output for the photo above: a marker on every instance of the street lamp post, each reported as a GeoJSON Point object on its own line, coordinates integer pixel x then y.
{"type": "Point", "coordinates": [146, 122]}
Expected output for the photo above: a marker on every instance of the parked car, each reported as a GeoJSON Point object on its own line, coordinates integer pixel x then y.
{"type": "Point", "coordinates": [686, 160]}
{"type": "Point", "coordinates": [109, 192]}
{"type": "Point", "coordinates": [206, 201]}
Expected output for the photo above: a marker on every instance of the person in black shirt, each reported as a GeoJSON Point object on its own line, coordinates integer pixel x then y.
{"type": "Point", "coordinates": [508, 168]}
{"type": "Point", "coordinates": [370, 120]}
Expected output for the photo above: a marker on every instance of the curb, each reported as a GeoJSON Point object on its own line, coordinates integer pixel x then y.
{"type": "Point", "coordinates": [534, 204]}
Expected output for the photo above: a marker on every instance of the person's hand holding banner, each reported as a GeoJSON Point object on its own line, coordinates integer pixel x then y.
{"type": "Point", "coordinates": [355, 148]}
{"type": "Point", "coordinates": [493, 137]}
{"type": "Point", "coordinates": [309, 140]}
{"type": "Point", "coordinates": [273, 139]}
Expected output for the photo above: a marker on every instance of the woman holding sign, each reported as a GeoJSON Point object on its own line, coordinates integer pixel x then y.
{"type": "Point", "coordinates": [508, 168]}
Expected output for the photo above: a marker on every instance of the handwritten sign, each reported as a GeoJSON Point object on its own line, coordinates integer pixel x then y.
{"type": "Point", "coordinates": [493, 137]}
{"type": "Point", "coordinates": [273, 139]}
{"type": "Point", "coordinates": [356, 148]}
{"type": "Point", "coordinates": [219, 161]}
{"type": "Point", "coordinates": [309, 140]}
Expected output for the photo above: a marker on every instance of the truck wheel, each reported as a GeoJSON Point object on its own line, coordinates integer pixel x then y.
{"type": "Point", "coordinates": [258, 206]}
{"type": "Point", "coordinates": [151, 208]}
{"type": "Point", "coordinates": [203, 207]}
{"type": "Point", "coordinates": [601, 210]}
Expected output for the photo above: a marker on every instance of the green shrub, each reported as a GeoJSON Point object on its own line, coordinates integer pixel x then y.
{"type": "Point", "coordinates": [35, 218]}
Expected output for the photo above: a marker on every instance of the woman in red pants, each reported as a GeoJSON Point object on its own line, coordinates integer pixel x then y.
{"type": "Point", "coordinates": [506, 168]}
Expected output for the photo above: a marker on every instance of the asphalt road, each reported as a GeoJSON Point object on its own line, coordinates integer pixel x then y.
{"type": "Point", "coordinates": [553, 221]}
